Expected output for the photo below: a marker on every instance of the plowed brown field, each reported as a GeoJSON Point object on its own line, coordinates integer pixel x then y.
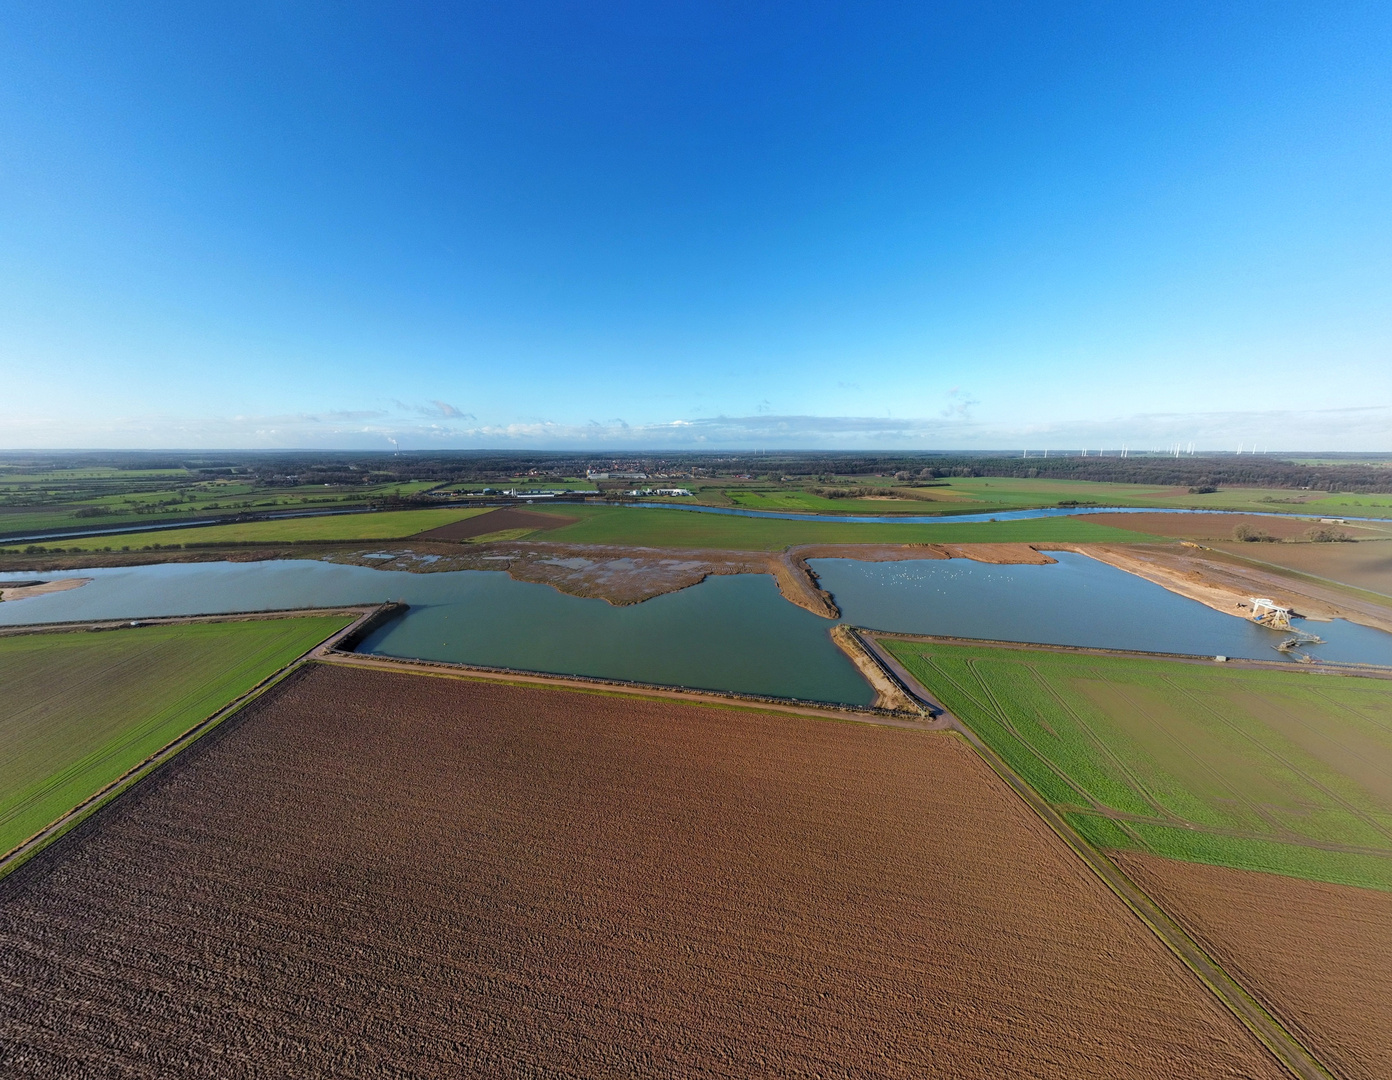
{"type": "Point", "coordinates": [378, 874]}
{"type": "Point", "coordinates": [1319, 955]}
{"type": "Point", "coordinates": [1220, 526]}
{"type": "Point", "coordinates": [496, 521]}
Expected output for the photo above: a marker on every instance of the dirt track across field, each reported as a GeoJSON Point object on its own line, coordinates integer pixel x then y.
{"type": "Point", "coordinates": [382, 874]}
{"type": "Point", "coordinates": [1317, 955]}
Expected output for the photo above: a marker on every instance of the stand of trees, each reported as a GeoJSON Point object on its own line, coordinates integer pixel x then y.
{"type": "Point", "coordinates": [1365, 475]}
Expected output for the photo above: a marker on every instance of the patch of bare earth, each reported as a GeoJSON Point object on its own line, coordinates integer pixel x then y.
{"type": "Point", "coordinates": [1317, 955]}
{"type": "Point", "coordinates": [1219, 526]}
{"type": "Point", "coordinates": [630, 575]}
{"type": "Point", "coordinates": [22, 592]}
{"type": "Point", "coordinates": [382, 874]}
{"type": "Point", "coordinates": [1366, 565]}
{"type": "Point", "coordinates": [501, 520]}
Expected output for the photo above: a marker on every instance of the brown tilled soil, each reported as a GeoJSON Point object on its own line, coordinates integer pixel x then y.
{"type": "Point", "coordinates": [378, 874]}
{"type": "Point", "coordinates": [1367, 565]}
{"type": "Point", "coordinates": [1218, 526]}
{"type": "Point", "coordinates": [1318, 955]}
{"type": "Point", "coordinates": [496, 521]}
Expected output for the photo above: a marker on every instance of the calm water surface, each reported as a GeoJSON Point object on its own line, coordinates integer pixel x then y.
{"type": "Point", "coordinates": [1078, 601]}
{"type": "Point", "coordinates": [728, 633]}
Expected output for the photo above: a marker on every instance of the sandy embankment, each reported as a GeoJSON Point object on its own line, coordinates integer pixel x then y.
{"type": "Point", "coordinates": [888, 693]}
{"type": "Point", "coordinates": [1230, 586]}
{"type": "Point", "coordinates": [25, 591]}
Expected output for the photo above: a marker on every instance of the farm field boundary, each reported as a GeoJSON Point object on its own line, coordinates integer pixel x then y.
{"type": "Point", "coordinates": [1324, 667]}
{"type": "Point", "coordinates": [549, 859]}
{"type": "Point", "coordinates": [656, 691]}
{"type": "Point", "coordinates": [1304, 574]}
{"type": "Point", "coordinates": [358, 621]}
{"type": "Point", "coordinates": [1251, 1011]}
{"type": "Point", "coordinates": [1250, 764]}
{"type": "Point", "coordinates": [1315, 954]}
{"type": "Point", "coordinates": [328, 527]}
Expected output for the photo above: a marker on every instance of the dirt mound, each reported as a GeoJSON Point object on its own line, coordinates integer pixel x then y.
{"type": "Point", "coordinates": [496, 521]}
{"type": "Point", "coordinates": [1316, 954]}
{"type": "Point", "coordinates": [380, 874]}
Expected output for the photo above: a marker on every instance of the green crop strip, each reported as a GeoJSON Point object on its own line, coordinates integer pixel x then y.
{"type": "Point", "coordinates": [646, 527]}
{"type": "Point", "coordinates": [1281, 771]}
{"type": "Point", "coordinates": [81, 709]}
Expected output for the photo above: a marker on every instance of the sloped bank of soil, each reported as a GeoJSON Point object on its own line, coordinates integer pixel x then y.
{"type": "Point", "coordinates": [1317, 955]}
{"type": "Point", "coordinates": [381, 874]}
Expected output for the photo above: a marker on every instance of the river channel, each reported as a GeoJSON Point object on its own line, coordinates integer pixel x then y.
{"type": "Point", "coordinates": [728, 633]}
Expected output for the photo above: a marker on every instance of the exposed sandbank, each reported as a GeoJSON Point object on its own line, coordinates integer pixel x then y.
{"type": "Point", "coordinates": [23, 592]}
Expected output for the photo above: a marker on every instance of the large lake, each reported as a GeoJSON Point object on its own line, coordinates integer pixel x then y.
{"type": "Point", "coordinates": [728, 633]}
{"type": "Point", "coordinates": [1077, 601]}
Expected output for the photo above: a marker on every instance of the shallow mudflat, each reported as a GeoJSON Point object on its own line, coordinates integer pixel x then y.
{"type": "Point", "coordinates": [382, 874]}
{"type": "Point", "coordinates": [1318, 955]}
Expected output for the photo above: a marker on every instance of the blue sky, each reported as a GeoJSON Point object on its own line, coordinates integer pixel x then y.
{"type": "Point", "coordinates": [664, 225]}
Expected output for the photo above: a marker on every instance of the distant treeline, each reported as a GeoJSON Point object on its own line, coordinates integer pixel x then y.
{"type": "Point", "coordinates": [352, 468]}
{"type": "Point", "coordinates": [1193, 472]}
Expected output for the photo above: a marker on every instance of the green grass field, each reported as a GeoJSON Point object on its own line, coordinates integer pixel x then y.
{"type": "Point", "coordinates": [107, 497]}
{"type": "Point", "coordinates": [382, 525]}
{"type": "Point", "coordinates": [984, 494]}
{"type": "Point", "coordinates": [931, 501]}
{"type": "Point", "coordinates": [1282, 771]}
{"type": "Point", "coordinates": [685, 528]}
{"type": "Point", "coordinates": [80, 709]}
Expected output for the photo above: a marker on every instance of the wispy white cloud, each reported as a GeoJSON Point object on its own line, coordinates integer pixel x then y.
{"type": "Point", "coordinates": [416, 427]}
{"type": "Point", "coordinates": [435, 409]}
{"type": "Point", "coordinates": [959, 405]}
